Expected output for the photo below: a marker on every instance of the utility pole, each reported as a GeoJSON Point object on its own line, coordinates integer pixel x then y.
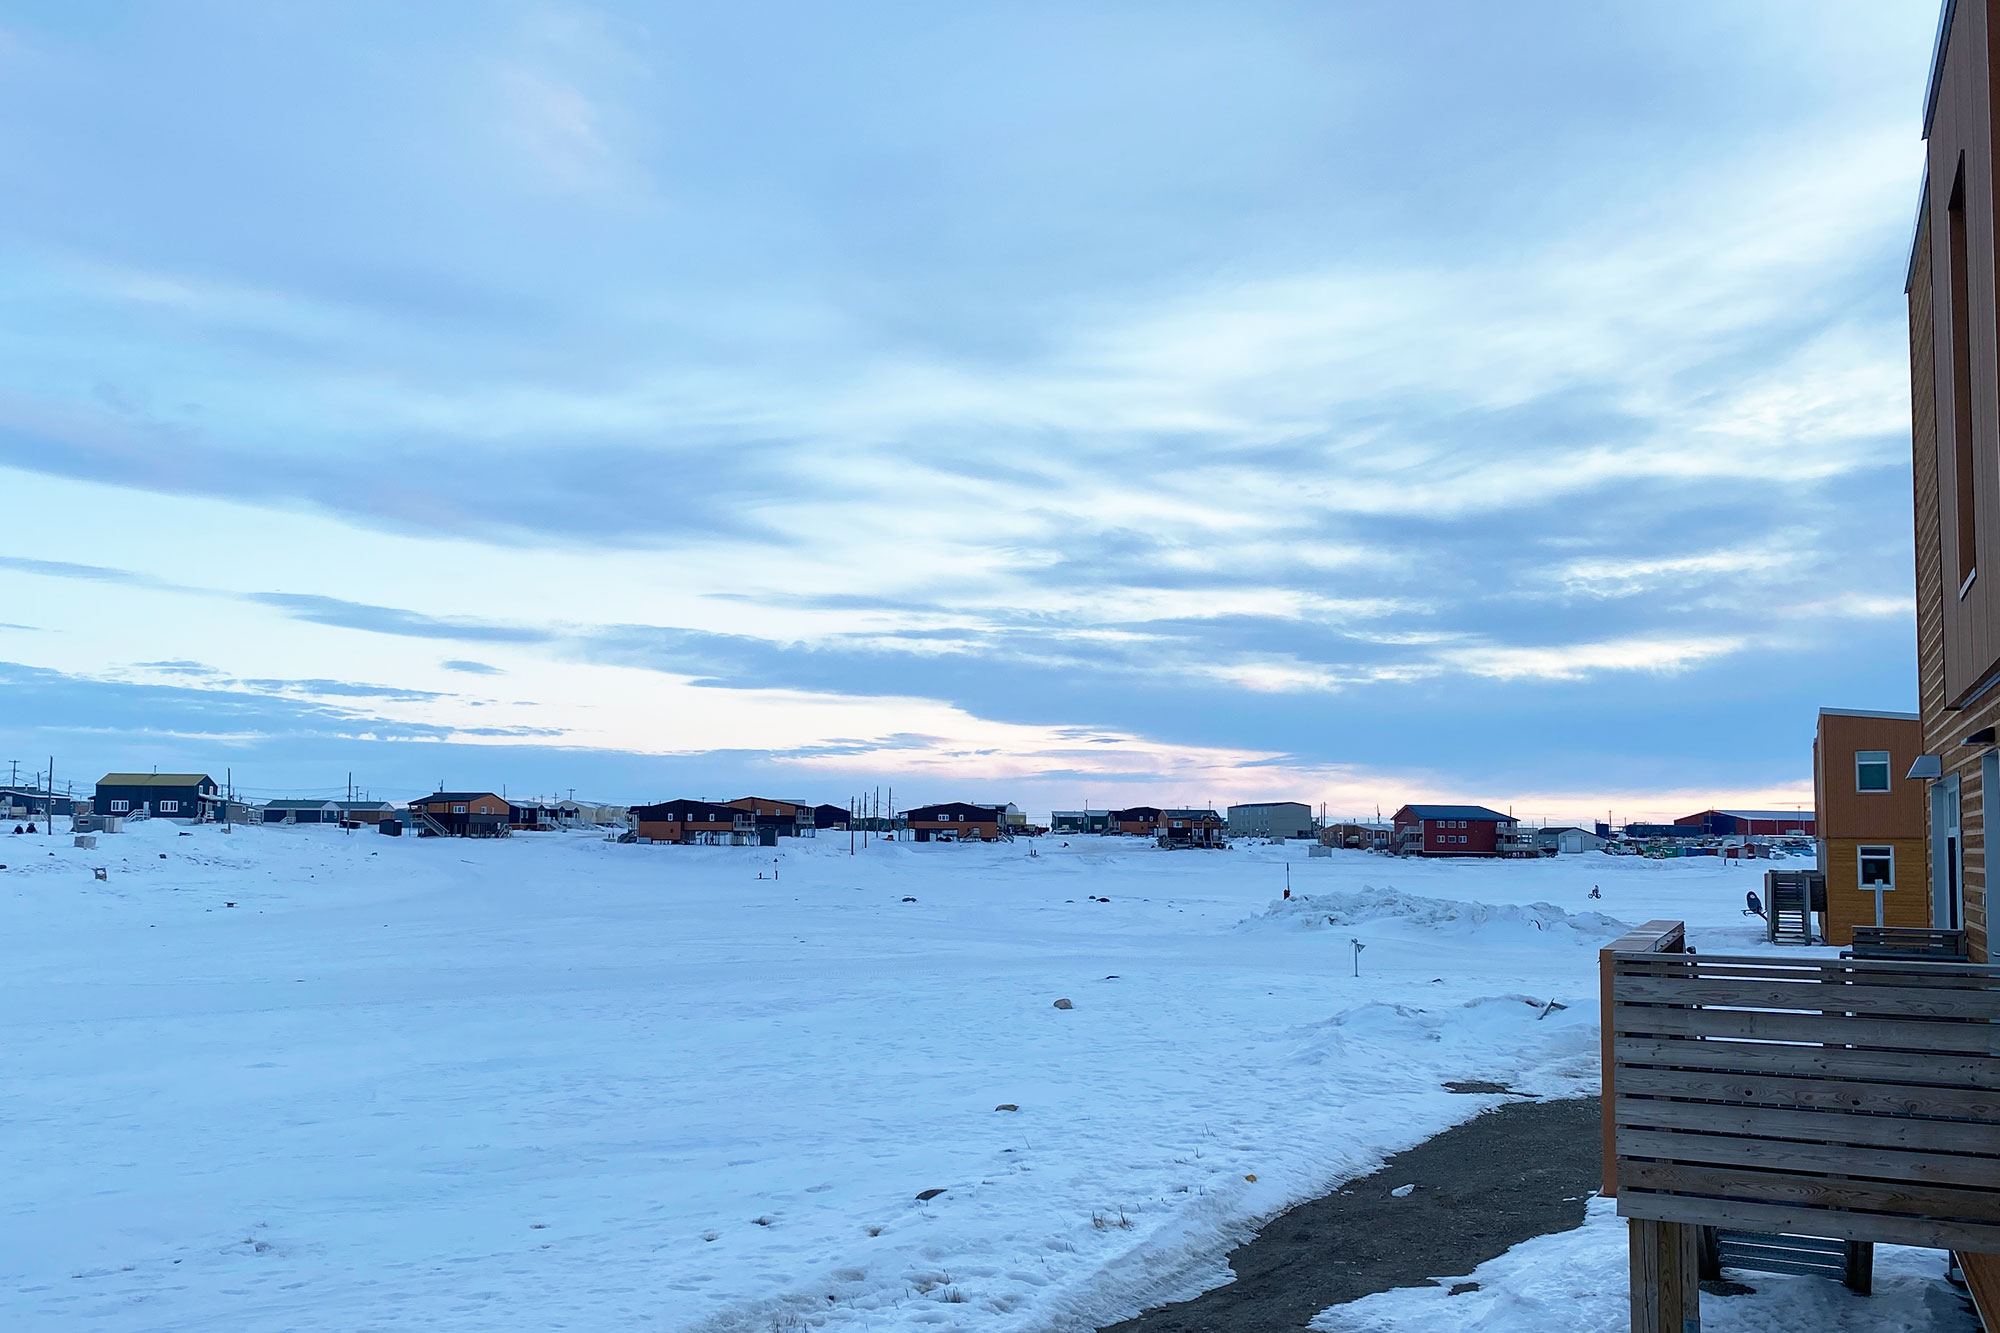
{"type": "Point", "coordinates": [49, 809]}
{"type": "Point", "coordinates": [850, 826]}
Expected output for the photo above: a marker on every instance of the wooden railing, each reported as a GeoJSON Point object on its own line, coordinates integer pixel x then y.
{"type": "Point", "coordinates": [1852, 1099]}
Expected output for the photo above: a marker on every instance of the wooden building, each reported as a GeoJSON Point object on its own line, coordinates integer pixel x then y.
{"type": "Point", "coordinates": [189, 796]}
{"type": "Point", "coordinates": [366, 812]}
{"type": "Point", "coordinates": [1140, 821]}
{"type": "Point", "coordinates": [306, 811]}
{"type": "Point", "coordinates": [688, 821]}
{"type": "Point", "coordinates": [776, 819]}
{"type": "Point", "coordinates": [1955, 407]}
{"type": "Point", "coordinates": [461, 814]}
{"type": "Point", "coordinates": [1871, 823]}
{"type": "Point", "coordinates": [1450, 830]}
{"type": "Point", "coordinates": [955, 821]}
{"type": "Point", "coordinates": [1192, 828]}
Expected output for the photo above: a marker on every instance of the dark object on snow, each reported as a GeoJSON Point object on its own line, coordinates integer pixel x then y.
{"type": "Point", "coordinates": [1751, 905]}
{"type": "Point", "coordinates": [18, 829]}
{"type": "Point", "coordinates": [1064, 1003]}
{"type": "Point", "coordinates": [101, 873]}
{"type": "Point", "coordinates": [1006, 1106]}
{"type": "Point", "coordinates": [163, 856]}
{"type": "Point", "coordinates": [1594, 892]}
{"type": "Point", "coordinates": [928, 1195]}
{"type": "Point", "coordinates": [390, 828]}
{"type": "Point", "coordinates": [1460, 1288]}
{"type": "Point", "coordinates": [1476, 1085]}
{"type": "Point", "coordinates": [909, 900]}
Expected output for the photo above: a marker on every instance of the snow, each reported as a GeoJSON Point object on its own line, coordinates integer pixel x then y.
{"type": "Point", "coordinates": [556, 1082]}
{"type": "Point", "coordinates": [1577, 1281]}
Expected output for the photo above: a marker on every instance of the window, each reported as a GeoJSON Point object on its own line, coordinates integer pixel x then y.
{"type": "Point", "coordinates": [170, 807]}
{"type": "Point", "coordinates": [1878, 867]}
{"type": "Point", "coordinates": [458, 809]}
{"type": "Point", "coordinates": [1961, 385]}
{"type": "Point", "coordinates": [1871, 770]}
{"type": "Point", "coordinates": [120, 807]}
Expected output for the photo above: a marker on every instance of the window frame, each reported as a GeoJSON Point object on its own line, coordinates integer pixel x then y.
{"type": "Point", "coordinates": [120, 808]}
{"type": "Point", "coordinates": [1865, 854]}
{"type": "Point", "coordinates": [1870, 759]}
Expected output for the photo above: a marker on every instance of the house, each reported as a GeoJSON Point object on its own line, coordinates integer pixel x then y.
{"type": "Point", "coordinates": [1271, 819]}
{"type": "Point", "coordinates": [30, 802]}
{"type": "Point", "coordinates": [461, 814]}
{"type": "Point", "coordinates": [533, 816]}
{"type": "Point", "coordinates": [1359, 837]}
{"type": "Point", "coordinates": [830, 816]}
{"type": "Point", "coordinates": [300, 812]}
{"type": "Point", "coordinates": [366, 812]}
{"type": "Point", "coordinates": [1141, 821]}
{"type": "Point", "coordinates": [1748, 823]}
{"type": "Point", "coordinates": [1871, 822]}
{"type": "Point", "coordinates": [1567, 840]}
{"type": "Point", "coordinates": [776, 819]}
{"type": "Point", "coordinates": [955, 821]}
{"type": "Point", "coordinates": [689, 821]}
{"type": "Point", "coordinates": [1451, 830]}
{"type": "Point", "coordinates": [1080, 821]}
{"type": "Point", "coordinates": [1191, 828]}
{"type": "Point", "coordinates": [189, 796]}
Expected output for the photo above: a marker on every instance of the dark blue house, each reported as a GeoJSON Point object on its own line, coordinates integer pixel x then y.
{"type": "Point", "coordinates": [167, 795]}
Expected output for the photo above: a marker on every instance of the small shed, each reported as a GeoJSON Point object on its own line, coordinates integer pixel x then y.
{"type": "Point", "coordinates": [301, 812]}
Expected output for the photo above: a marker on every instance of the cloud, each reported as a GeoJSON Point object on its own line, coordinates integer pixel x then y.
{"type": "Point", "coordinates": [471, 668]}
{"type": "Point", "coordinates": [393, 620]}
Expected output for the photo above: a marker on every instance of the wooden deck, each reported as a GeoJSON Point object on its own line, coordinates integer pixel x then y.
{"type": "Point", "coordinates": [1850, 1099]}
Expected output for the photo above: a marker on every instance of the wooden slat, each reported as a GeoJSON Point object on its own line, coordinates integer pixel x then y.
{"type": "Point", "coordinates": [1963, 1071]}
{"type": "Point", "coordinates": [1821, 1127]}
{"type": "Point", "coordinates": [1895, 971]}
{"type": "Point", "coordinates": [1788, 1189]}
{"type": "Point", "coordinates": [1870, 999]}
{"type": "Point", "coordinates": [1843, 1159]}
{"type": "Point", "coordinates": [1830, 1029]}
{"type": "Point", "coordinates": [1821, 1094]}
{"type": "Point", "coordinates": [1887, 1228]}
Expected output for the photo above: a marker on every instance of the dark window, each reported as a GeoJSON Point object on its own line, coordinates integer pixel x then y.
{"type": "Point", "coordinates": [1961, 384]}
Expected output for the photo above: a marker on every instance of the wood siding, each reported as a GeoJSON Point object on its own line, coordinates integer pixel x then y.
{"type": "Point", "coordinates": [1839, 1098]}
{"type": "Point", "coordinates": [1849, 905]}
{"type": "Point", "coordinates": [1964, 383]}
{"type": "Point", "coordinates": [1947, 664]}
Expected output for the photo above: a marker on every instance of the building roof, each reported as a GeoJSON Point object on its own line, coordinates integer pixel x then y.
{"type": "Point", "coordinates": [459, 796]}
{"type": "Point", "coordinates": [366, 805]}
{"type": "Point", "coordinates": [1454, 812]}
{"type": "Point", "coordinates": [306, 804]}
{"type": "Point", "coordinates": [1763, 814]}
{"type": "Point", "coordinates": [1270, 805]}
{"type": "Point", "coordinates": [1869, 712]}
{"type": "Point", "coordinates": [1945, 17]}
{"type": "Point", "coordinates": [1191, 814]}
{"type": "Point", "coordinates": [154, 780]}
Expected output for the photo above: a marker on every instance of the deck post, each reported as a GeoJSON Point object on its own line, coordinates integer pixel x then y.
{"type": "Point", "coordinates": [1666, 1282]}
{"type": "Point", "coordinates": [1653, 937]}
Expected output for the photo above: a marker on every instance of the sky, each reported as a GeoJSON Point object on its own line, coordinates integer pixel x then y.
{"type": "Point", "coordinates": [1180, 404]}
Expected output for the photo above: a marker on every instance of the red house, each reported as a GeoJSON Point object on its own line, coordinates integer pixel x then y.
{"type": "Point", "coordinates": [1449, 830]}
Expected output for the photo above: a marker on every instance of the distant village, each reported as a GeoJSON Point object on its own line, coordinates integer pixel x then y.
{"type": "Point", "coordinates": [1414, 830]}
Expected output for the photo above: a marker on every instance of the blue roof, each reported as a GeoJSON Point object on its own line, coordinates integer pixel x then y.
{"type": "Point", "coordinates": [1454, 812]}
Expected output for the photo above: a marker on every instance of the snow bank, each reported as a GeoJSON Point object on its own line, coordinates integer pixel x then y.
{"type": "Point", "coordinates": [1369, 904]}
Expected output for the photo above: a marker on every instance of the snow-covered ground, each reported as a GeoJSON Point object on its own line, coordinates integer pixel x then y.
{"type": "Point", "coordinates": [554, 1082]}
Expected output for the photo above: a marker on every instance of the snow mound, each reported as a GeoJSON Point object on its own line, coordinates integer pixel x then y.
{"type": "Point", "coordinates": [1352, 907]}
